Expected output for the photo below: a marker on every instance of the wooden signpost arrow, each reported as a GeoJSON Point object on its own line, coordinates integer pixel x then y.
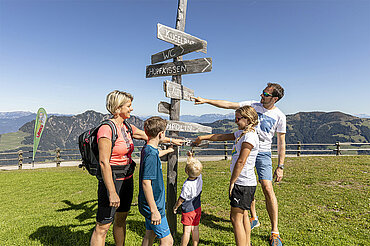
{"type": "Point", "coordinates": [187, 127]}
{"type": "Point", "coordinates": [175, 52]}
{"type": "Point", "coordinates": [164, 107]}
{"type": "Point", "coordinates": [201, 65]}
{"type": "Point", "coordinates": [177, 37]}
{"type": "Point", "coordinates": [177, 91]}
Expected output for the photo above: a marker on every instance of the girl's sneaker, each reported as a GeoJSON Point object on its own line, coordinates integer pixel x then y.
{"type": "Point", "coordinates": [254, 222]}
{"type": "Point", "coordinates": [275, 240]}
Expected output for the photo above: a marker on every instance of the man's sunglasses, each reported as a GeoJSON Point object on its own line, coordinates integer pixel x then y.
{"type": "Point", "coordinates": [265, 94]}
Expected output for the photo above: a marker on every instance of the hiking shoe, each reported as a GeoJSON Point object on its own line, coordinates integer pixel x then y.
{"type": "Point", "coordinates": [275, 240]}
{"type": "Point", "coordinates": [254, 223]}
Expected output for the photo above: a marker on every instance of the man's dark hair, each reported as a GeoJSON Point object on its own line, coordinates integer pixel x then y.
{"type": "Point", "coordinates": [278, 91]}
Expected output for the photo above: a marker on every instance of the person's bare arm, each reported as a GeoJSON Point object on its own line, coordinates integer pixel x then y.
{"type": "Point", "coordinates": [214, 137]}
{"type": "Point", "coordinates": [163, 152]}
{"type": "Point", "coordinates": [140, 135]}
{"type": "Point", "coordinates": [105, 148]}
{"type": "Point", "coordinates": [216, 103]}
{"type": "Point", "coordinates": [178, 204]}
{"type": "Point", "coordinates": [239, 165]}
{"type": "Point", "coordinates": [279, 172]}
{"type": "Point", "coordinates": [148, 192]}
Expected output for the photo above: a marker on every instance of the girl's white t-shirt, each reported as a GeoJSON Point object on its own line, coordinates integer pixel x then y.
{"type": "Point", "coordinates": [247, 177]}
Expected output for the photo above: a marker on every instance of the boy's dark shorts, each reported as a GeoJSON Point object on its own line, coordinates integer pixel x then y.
{"type": "Point", "coordinates": [125, 190]}
{"type": "Point", "coordinates": [242, 196]}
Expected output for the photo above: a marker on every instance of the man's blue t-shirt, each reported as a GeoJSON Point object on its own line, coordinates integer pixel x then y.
{"type": "Point", "coordinates": [151, 169]}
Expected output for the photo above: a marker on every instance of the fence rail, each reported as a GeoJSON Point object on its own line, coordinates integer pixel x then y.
{"type": "Point", "coordinates": [59, 155]}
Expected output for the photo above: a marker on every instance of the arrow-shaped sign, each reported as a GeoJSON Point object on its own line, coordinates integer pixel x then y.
{"type": "Point", "coordinates": [187, 127]}
{"type": "Point", "coordinates": [177, 91]}
{"type": "Point", "coordinates": [180, 67]}
{"type": "Point", "coordinates": [175, 52]}
{"type": "Point", "coordinates": [164, 107]}
{"type": "Point", "coordinates": [177, 37]}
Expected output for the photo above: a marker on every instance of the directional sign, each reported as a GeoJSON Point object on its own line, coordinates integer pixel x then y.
{"type": "Point", "coordinates": [164, 107]}
{"type": "Point", "coordinates": [175, 52]}
{"type": "Point", "coordinates": [180, 67]}
{"type": "Point", "coordinates": [187, 127]}
{"type": "Point", "coordinates": [177, 37]}
{"type": "Point", "coordinates": [177, 91]}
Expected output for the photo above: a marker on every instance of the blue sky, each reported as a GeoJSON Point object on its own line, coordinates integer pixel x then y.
{"type": "Point", "coordinates": [66, 55]}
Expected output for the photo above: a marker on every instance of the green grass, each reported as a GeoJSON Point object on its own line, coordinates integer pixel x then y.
{"type": "Point", "coordinates": [322, 201]}
{"type": "Point", "coordinates": [12, 140]}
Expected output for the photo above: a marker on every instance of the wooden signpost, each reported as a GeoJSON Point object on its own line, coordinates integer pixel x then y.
{"type": "Point", "coordinates": [201, 65]}
{"type": "Point", "coordinates": [178, 37]}
{"type": "Point", "coordinates": [184, 44]}
{"type": "Point", "coordinates": [175, 52]}
{"type": "Point", "coordinates": [164, 107]}
{"type": "Point", "coordinates": [176, 91]}
{"type": "Point", "coordinates": [187, 127]}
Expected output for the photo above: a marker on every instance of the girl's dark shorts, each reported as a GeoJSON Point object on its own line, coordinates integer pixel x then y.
{"type": "Point", "coordinates": [125, 190]}
{"type": "Point", "coordinates": [242, 196]}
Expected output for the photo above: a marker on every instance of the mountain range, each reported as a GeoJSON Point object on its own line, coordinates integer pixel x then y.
{"type": "Point", "coordinates": [307, 127]}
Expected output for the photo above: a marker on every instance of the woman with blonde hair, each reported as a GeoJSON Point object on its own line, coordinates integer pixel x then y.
{"type": "Point", "coordinates": [115, 189]}
{"type": "Point", "coordinates": [243, 180]}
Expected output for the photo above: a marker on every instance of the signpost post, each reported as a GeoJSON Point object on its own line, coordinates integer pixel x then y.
{"type": "Point", "coordinates": [173, 157]}
{"type": "Point", "coordinates": [184, 44]}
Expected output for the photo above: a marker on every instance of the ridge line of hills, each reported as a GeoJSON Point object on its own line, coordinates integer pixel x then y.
{"type": "Point", "coordinates": [307, 127]}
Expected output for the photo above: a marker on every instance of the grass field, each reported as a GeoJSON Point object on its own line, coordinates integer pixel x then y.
{"type": "Point", "coordinates": [322, 201]}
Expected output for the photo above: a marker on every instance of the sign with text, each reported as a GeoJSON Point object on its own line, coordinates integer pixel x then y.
{"type": "Point", "coordinates": [177, 91]}
{"type": "Point", "coordinates": [175, 52]}
{"type": "Point", "coordinates": [164, 107]}
{"type": "Point", "coordinates": [201, 65]}
{"type": "Point", "coordinates": [187, 127]}
{"type": "Point", "coordinates": [177, 37]}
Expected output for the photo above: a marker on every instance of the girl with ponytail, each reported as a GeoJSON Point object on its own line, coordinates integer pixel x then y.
{"type": "Point", "coordinates": [243, 180]}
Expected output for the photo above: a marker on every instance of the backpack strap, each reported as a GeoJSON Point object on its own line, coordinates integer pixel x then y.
{"type": "Point", "coordinates": [113, 128]}
{"type": "Point", "coordinates": [129, 127]}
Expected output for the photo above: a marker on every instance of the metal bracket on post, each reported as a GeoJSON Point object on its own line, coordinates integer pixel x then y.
{"type": "Point", "coordinates": [57, 156]}
{"type": "Point", "coordinates": [20, 159]}
{"type": "Point", "coordinates": [299, 148]}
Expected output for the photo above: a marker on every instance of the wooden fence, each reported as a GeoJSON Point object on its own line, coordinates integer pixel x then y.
{"type": "Point", "coordinates": [222, 149]}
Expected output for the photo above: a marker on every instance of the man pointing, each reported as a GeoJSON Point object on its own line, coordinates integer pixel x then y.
{"type": "Point", "coordinates": [271, 120]}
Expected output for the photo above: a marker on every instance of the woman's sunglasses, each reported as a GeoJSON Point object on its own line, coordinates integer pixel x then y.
{"type": "Point", "coordinates": [238, 118]}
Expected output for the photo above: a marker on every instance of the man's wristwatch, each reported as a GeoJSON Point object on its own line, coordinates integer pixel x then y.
{"type": "Point", "coordinates": [281, 166]}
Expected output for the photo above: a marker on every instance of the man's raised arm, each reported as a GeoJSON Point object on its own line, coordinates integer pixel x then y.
{"type": "Point", "coordinates": [217, 103]}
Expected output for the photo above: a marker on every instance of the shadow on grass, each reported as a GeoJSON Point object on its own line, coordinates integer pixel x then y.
{"type": "Point", "coordinates": [64, 235]}
{"type": "Point", "coordinates": [89, 211]}
{"type": "Point", "coordinates": [210, 221]}
{"type": "Point", "coordinates": [136, 226]}
{"type": "Point", "coordinates": [209, 242]}
{"type": "Point", "coordinates": [61, 235]}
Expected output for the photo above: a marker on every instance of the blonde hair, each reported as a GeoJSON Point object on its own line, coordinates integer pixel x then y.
{"type": "Point", "coordinates": [154, 125]}
{"type": "Point", "coordinates": [193, 167]}
{"type": "Point", "coordinates": [116, 99]}
{"type": "Point", "coordinates": [249, 113]}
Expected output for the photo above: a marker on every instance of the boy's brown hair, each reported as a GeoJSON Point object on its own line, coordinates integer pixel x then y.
{"type": "Point", "coordinates": [154, 125]}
